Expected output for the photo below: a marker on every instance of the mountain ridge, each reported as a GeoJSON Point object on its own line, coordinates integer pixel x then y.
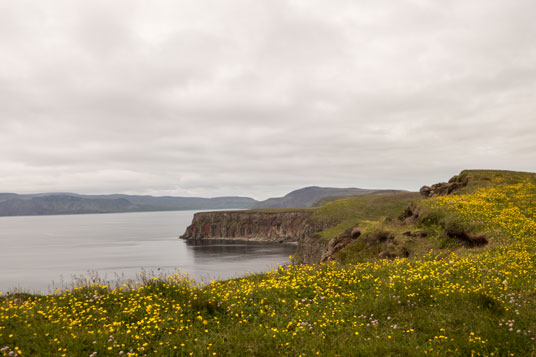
{"type": "Point", "coordinates": [13, 204]}
{"type": "Point", "coordinates": [307, 197]}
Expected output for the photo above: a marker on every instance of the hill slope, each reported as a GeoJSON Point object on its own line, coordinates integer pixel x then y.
{"type": "Point", "coordinates": [450, 216]}
{"type": "Point", "coordinates": [70, 203]}
{"type": "Point", "coordinates": [307, 196]}
{"type": "Point", "coordinates": [62, 204]}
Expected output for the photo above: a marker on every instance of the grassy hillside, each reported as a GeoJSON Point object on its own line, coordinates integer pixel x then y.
{"type": "Point", "coordinates": [459, 222]}
{"type": "Point", "coordinates": [349, 212]}
{"type": "Point", "coordinates": [325, 200]}
{"type": "Point", "coordinates": [453, 300]}
{"type": "Point", "coordinates": [478, 179]}
{"type": "Point", "coordinates": [307, 196]}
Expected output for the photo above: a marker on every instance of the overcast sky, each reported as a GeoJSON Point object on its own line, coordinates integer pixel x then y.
{"type": "Point", "coordinates": [257, 98]}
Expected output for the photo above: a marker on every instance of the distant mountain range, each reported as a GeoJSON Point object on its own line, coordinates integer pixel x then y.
{"type": "Point", "coordinates": [307, 196]}
{"type": "Point", "coordinates": [71, 203]}
{"type": "Point", "coordinates": [12, 204]}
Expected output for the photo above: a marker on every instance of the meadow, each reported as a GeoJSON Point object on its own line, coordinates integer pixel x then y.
{"type": "Point", "coordinates": [447, 299]}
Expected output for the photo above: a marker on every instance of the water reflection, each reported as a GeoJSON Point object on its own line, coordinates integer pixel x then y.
{"type": "Point", "coordinates": [224, 259]}
{"type": "Point", "coordinates": [232, 249]}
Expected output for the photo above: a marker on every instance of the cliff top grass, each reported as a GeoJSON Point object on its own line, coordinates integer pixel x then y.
{"type": "Point", "coordinates": [265, 210]}
{"type": "Point", "coordinates": [280, 210]}
{"type": "Point", "coordinates": [441, 304]}
{"type": "Point", "coordinates": [349, 212]}
{"type": "Point", "coordinates": [477, 179]}
{"type": "Point", "coordinates": [328, 199]}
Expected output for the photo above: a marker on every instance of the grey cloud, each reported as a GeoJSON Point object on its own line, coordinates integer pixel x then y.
{"type": "Point", "coordinates": [259, 98]}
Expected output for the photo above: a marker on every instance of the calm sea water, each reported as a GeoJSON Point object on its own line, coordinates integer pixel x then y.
{"type": "Point", "coordinates": [41, 253]}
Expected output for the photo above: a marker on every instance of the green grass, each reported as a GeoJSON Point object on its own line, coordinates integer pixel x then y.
{"type": "Point", "coordinates": [484, 178]}
{"type": "Point", "coordinates": [267, 210]}
{"type": "Point", "coordinates": [368, 309]}
{"type": "Point", "coordinates": [402, 241]}
{"type": "Point", "coordinates": [280, 210]}
{"type": "Point", "coordinates": [346, 213]}
{"type": "Point", "coordinates": [325, 200]}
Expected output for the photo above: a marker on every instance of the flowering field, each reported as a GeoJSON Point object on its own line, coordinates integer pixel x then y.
{"type": "Point", "coordinates": [462, 302]}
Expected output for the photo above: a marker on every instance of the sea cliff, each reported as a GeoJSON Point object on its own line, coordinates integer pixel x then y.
{"type": "Point", "coordinates": [256, 225]}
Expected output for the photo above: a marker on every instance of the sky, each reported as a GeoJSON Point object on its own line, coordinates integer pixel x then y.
{"type": "Point", "coordinates": [258, 98]}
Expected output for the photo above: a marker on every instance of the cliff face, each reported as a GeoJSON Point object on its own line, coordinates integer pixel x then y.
{"type": "Point", "coordinates": [313, 249]}
{"type": "Point", "coordinates": [290, 226]}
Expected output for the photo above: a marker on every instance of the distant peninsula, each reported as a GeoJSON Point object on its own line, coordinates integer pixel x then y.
{"type": "Point", "coordinates": [12, 204]}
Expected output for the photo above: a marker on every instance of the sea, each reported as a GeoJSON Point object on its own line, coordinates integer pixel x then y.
{"type": "Point", "coordinates": [40, 254]}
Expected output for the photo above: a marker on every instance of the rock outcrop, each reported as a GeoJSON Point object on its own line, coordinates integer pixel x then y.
{"type": "Point", "coordinates": [269, 226]}
{"type": "Point", "coordinates": [444, 188]}
{"type": "Point", "coordinates": [339, 242]}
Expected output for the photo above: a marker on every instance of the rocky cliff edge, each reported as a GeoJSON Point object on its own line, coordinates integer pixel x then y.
{"type": "Point", "coordinates": [274, 226]}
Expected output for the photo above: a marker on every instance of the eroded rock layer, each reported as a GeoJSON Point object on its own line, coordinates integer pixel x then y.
{"type": "Point", "coordinates": [283, 226]}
